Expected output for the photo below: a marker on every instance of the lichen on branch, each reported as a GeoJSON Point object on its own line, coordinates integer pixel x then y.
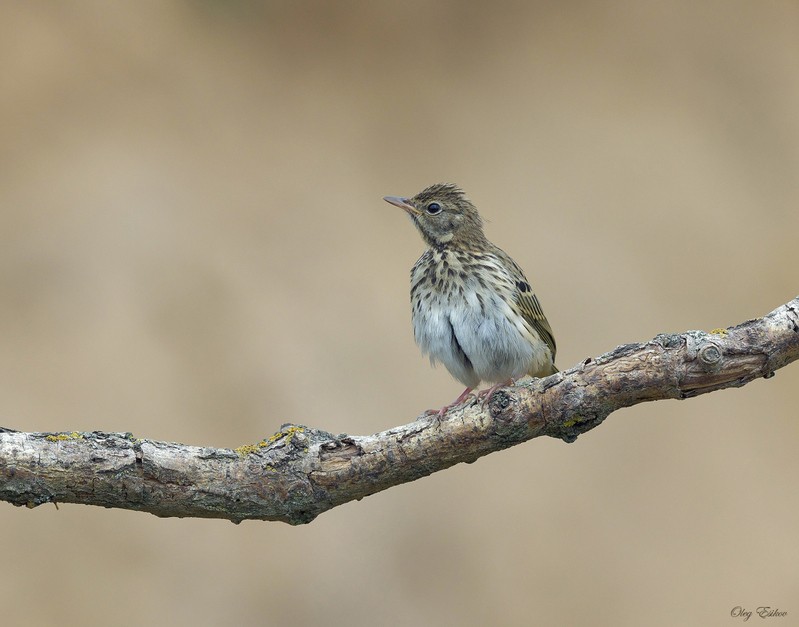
{"type": "Point", "coordinates": [300, 472]}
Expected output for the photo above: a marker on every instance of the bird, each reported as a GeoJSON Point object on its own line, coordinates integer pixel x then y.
{"type": "Point", "coordinates": [472, 307]}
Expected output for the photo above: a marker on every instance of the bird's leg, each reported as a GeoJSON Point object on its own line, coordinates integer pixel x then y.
{"type": "Point", "coordinates": [463, 396]}
{"type": "Point", "coordinates": [485, 395]}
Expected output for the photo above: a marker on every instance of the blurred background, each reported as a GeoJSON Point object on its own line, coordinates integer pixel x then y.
{"type": "Point", "coordinates": [194, 248]}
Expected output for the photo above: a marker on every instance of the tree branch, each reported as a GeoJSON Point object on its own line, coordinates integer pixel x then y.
{"type": "Point", "coordinates": [301, 472]}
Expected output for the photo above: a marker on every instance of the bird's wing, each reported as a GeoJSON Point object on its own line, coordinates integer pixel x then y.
{"type": "Point", "coordinates": [530, 308]}
{"type": "Point", "coordinates": [531, 312]}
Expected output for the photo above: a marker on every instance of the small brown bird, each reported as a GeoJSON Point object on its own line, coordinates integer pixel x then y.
{"type": "Point", "coordinates": [472, 307]}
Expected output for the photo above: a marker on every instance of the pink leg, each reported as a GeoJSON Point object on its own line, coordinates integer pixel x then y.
{"type": "Point", "coordinates": [464, 395]}
{"type": "Point", "coordinates": [485, 395]}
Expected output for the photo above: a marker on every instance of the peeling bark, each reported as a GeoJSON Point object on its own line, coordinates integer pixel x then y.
{"type": "Point", "coordinates": [301, 472]}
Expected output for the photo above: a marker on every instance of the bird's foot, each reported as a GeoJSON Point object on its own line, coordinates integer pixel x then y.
{"type": "Point", "coordinates": [463, 396]}
{"type": "Point", "coordinates": [485, 395]}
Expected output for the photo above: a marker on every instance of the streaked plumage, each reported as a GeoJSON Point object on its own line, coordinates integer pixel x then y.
{"type": "Point", "coordinates": [472, 307]}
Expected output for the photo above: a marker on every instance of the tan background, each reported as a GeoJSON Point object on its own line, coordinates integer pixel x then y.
{"type": "Point", "coordinates": [193, 247]}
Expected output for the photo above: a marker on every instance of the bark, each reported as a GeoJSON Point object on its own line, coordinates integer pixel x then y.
{"type": "Point", "coordinates": [300, 472]}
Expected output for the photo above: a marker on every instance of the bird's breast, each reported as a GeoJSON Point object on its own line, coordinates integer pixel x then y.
{"type": "Point", "coordinates": [462, 313]}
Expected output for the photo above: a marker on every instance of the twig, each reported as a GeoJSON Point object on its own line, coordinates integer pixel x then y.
{"type": "Point", "coordinates": [301, 472]}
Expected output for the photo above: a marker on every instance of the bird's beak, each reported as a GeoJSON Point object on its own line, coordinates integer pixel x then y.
{"type": "Point", "coordinates": [402, 203]}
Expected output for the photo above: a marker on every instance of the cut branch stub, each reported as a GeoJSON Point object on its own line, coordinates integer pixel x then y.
{"type": "Point", "coordinates": [301, 472]}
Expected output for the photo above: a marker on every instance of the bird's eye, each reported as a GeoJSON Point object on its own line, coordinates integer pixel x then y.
{"type": "Point", "coordinates": [433, 208]}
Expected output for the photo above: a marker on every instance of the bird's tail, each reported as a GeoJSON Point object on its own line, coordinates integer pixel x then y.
{"type": "Point", "coordinates": [547, 370]}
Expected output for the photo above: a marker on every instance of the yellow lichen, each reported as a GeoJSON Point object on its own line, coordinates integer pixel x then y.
{"type": "Point", "coordinates": [248, 449]}
{"type": "Point", "coordinates": [58, 437]}
{"type": "Point", "coordinates": [288, 434]}
{"type": "Point", "coordinates": [721, 332]}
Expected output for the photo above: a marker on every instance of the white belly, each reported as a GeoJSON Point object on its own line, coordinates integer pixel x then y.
{"type": "Point", "coordinates": [476, 343]}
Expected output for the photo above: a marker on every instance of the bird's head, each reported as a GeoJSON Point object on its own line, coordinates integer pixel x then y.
{"type": "Point", "coordinates": [443, 214]}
